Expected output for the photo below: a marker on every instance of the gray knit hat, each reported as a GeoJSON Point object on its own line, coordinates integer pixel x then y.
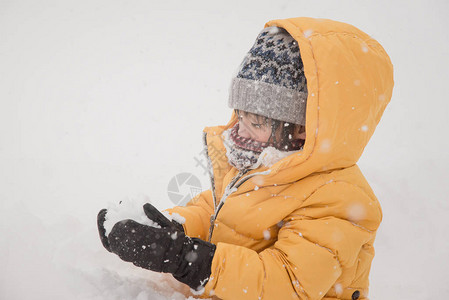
{"type": "Point", "coordinates": [270, 80]}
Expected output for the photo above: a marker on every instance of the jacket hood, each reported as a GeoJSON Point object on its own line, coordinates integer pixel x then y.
{"type": "Point", "coordinates": [349, 82]}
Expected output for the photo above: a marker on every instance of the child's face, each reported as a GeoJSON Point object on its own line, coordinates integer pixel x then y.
{"type": "Point", "coordinates": [259, 128]}
{"type": "Point", "coordinates": [253, 127]}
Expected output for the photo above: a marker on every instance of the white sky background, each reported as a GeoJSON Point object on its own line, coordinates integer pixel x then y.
{"type": "Point", "coordinates": [105, 99]}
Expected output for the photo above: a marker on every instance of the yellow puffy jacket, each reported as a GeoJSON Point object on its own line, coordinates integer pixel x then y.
{"type": "Point", "coordinates": [303, 228]}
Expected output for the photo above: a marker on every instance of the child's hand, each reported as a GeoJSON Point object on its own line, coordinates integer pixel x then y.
{"type": "Point", "coordinates": [156, 216]}
{"type": "Point", "coordinates": [164, 248]}
{"type": "Point", "coordinates": [156, 249]}
{"type": "Point", "coordinates": [101, 217]}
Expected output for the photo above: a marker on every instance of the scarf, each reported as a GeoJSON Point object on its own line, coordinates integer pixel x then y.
{"type": "Point", "coordinates": [246, 153]}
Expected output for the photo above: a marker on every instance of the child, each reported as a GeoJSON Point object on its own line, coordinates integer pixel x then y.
{"type": "Point", "coordinates": [289, 214]}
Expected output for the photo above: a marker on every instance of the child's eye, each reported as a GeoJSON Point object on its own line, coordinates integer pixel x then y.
{"type": "Point", "coordinates": [258, 126]}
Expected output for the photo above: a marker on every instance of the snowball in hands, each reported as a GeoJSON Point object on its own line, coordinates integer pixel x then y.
{"type": "Point", "coordinates": [131, 208]}
{"type": "Point", "coordinates": [162, 247]}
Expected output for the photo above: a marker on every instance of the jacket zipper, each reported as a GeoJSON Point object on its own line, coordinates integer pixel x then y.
{"type": "Point", "coordinates": [230, 188]}
{"type": "Point", "coordinates": [228, 191]}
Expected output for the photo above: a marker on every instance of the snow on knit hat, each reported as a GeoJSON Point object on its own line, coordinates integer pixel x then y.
{"type": "Point", "coordinates": [270, 80]}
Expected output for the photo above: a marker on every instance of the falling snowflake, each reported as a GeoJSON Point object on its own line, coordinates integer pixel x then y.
{"type": "Point", "coordinates": [266, 235]}
{"type": "Point", "coordinates": [338, 288]}
{"type": "Point", "coordinates": [258, 180]}
{"type": "Point", "coordinates": [273, 30]}
{"type": "Point", "coordinates": [308, 33]}
{"type": "Point", "coordinates": [356, 212]}
{"type": "Point", "coordinates": [325, 145]}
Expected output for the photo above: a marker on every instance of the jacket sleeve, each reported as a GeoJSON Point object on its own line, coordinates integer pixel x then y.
{"type": "Point", "coordinates": [317, 240]}
{"type": "Point", "coordinates": [197, 215]}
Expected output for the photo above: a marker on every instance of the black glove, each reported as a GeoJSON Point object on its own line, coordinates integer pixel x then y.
{"type": "Point", "coordinates": [101, 217]}
{"type": "Point", "coordinates": [156, 216]}
{"type": "Point", "coordinates": [166, 249]}
{"type": "Point", "coordinates": [150, 211]}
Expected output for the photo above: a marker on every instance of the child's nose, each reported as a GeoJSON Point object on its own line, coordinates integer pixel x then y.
{"type": "Point", "coordinates": [243, 131]}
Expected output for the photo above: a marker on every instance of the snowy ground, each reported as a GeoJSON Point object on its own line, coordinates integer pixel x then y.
{"type": "Point", "coordinates": [101, 100]}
